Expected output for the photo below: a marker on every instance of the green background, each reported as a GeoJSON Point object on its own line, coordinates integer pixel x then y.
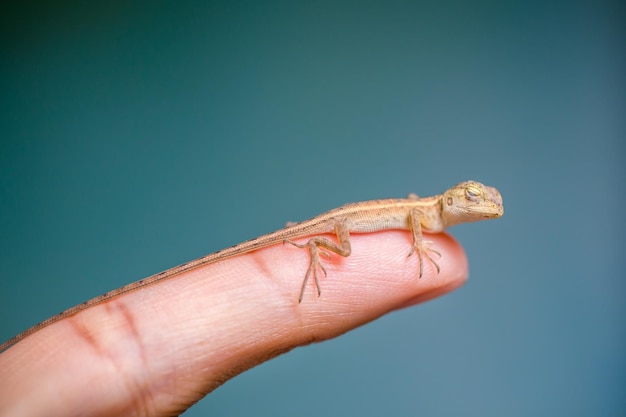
{"type": "Point", "coordinates": [135, 137]}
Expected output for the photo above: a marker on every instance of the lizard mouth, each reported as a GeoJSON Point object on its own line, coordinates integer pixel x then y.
{"type": "Point", "coordinates": [496, 209]}
{"type": "Point", "coordinates": [492, 212]}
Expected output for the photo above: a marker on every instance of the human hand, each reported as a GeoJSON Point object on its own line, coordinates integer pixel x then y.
{"type": "Point", "coordinates": [158, 350]}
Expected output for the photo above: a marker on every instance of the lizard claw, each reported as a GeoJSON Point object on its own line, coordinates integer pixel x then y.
{"type": "Point", "coordinates": [314, 265]}
{"type": "Point", "coordinates": [297, 245]}
{"type": "Point", "coordinates": [424, 250]}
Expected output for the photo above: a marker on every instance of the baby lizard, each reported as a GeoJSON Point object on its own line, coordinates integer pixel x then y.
{"type": "Point", "coordinates": [468, 201]}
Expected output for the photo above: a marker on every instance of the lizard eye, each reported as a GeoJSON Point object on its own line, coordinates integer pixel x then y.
{"type": "Point", "coordinates": [471, 192]}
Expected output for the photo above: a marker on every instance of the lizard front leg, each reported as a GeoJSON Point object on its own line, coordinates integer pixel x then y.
{"type": "Point", "coordinates": [420, 246]}
{"type": "Point", "coordinates": [315, 243]}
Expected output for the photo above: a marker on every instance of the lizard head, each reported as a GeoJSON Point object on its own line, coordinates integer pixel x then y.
{"type": "Point", "coordinates": [470, 201]}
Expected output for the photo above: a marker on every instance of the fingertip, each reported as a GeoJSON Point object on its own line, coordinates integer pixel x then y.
{"type": "Point", "coordinates": [379, 277]}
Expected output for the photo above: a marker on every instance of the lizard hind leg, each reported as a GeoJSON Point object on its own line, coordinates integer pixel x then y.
{"type": "Point", "coordinates": [315, 245]}
{"type": "Point", "coordinates": [315, 264]}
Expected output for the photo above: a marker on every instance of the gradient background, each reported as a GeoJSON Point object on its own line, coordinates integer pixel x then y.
{"type": "Point", "coordinates": [137, 137]}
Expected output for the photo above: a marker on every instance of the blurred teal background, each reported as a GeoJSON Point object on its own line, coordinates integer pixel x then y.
{"type": "Point", "coordinates": [135, 137]}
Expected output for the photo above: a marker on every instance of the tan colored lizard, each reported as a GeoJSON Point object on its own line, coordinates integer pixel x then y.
{"type": "Point", "coordinates": [468, 201]}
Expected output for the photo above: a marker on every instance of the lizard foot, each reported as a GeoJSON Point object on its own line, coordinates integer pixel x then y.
{"type": "Point", "coordinates": [423, 250]}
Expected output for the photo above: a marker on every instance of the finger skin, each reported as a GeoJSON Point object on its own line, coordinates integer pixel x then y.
{"type": "Point", "coordinates": [158, 350]}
